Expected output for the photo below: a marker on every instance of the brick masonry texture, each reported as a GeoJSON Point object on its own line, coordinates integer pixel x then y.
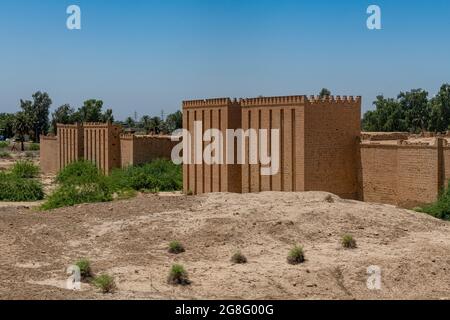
{"type": "Point", "coordinates": [320, 150]}
{"type": "Point", "coordinates": [102, 144]}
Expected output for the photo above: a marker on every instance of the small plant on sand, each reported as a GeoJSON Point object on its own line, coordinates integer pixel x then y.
{"type": "Point", "coordinates": [105, 283]}
{"type": "Point", "coordinates": [239, 258]}
{"type": "Point", "coordinates": [85, 268]}
{"type": "Point", "coordinates": [348, 241]}
{"type": "Point", "coordinates": [189, 192]}
{"type": "Point", "coordinates": [296, 255]}
{"type": "Point", "coordinates": [176, 247]}
{"type": "Point", "coordinates": [178, 276]}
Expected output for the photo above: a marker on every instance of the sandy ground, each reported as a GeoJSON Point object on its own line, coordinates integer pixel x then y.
{"type": "Point", "coordinates": [128, 239]}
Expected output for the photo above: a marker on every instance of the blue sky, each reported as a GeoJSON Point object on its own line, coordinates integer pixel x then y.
{"type": "Point", "coordinates": [145, 56]}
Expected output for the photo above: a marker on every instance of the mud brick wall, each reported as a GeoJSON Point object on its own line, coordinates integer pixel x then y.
{"type": "Point", "coordinates": [49, 154]}
{"type": "Point", "coordinates": [331, 128]}
{"type": "Point", "coordinates": [221, 114]}
{"type": "Point", "coordinates": [404, 175]}
{"type": "Point", "coordinates": [136, 150]}
{"type": "Point", "coordinates": [287, 115]}
{"type": "Point", "coordinates": [102, 145]}
{"type": "Point", "coordinates": [70, 144]}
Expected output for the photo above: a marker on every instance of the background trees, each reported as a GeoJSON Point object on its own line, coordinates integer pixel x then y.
{"type": "Point", "coordinates": [37, 112]}
{"type": "Point", "coordinates": [411, 111]}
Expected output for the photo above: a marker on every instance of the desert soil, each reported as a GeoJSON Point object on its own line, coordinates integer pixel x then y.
{"type": "Point", "coordinates": [128, 239]}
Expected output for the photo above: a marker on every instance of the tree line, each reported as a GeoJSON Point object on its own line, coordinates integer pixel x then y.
{"type": "Point", "coordinates": [33, 118]}
{"type": "Point", "coordinates": [412, 111]}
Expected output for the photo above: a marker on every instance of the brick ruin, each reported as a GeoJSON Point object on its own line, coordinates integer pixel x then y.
{"type": "Point", "coordinates": [102, 143]}
{"type": "Point", "coordinates": [321, 149]}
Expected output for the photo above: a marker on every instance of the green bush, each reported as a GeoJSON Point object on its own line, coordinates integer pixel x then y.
{"type": "Point", "coordinates": [80, 172]}
{"type": "Point", "coordinates": [5, 155]}
{"type": "Point", "coordinates": [85, 268]}
{"type": "Point", "coordinates": [348, 241]}
{"type": "Point", "coordinates": [441, 208]}
{"type": "Point", "coordinates": [34, 147]}
{"type": "Point", "coordinates": [105, 283]}
{"type": "Point", "coordinates": [4, 144]}
{"type": "Point", "coordinates": [159, 175]}
{"type": "Point", "coordinates": [25, 169]}
{"type": "Point", "coordinates": [296, 255]}
{"type": "Point", "coordinates": [13, 188]}
{"type": "Point", "coordinates": [70, 195]}
{"type": "Point", "coordinates": [176, 247]}
{"type": "Point", "coordinates": [178, 276]}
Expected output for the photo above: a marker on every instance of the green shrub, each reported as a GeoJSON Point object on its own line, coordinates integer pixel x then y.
{"type": "Point", "coordinates": [5, 155]}
{"type": "Point", "coordinates": [296, 255]}
{"type": "Point", "coordinates": [441, 208]}
{"type": "Point", "coordinates": [85, 268]}
{"type": "Point", "coordinates": [25, 169]}
{"type": "Point", "coordinates": [159, 175]}
{"type": "Point", "coordinates": [239, 258]}
{"type": "Point", "coordinates": [80, 172]}
{"type": "Point", "coordinates": [34, 147]}
{"type": "Point", "coordinates": [105, 283]}
{"type": "Point", "coordinates": [70, 195]}
{"type": "Point", "coordinates": [13, 188]}
{"type": "Point", "coordinates": [348, 242]}
{"type": "Point", "coordinates": [4, 144]}
{"type": "Point", "coordinates": [176, 247]}
{"type": "Point", "coordinates": [178, 276]}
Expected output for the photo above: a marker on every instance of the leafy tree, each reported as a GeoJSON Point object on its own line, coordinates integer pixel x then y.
{"type": "Point", "coordinates": [7, 125]}
{"type": "Point", "coordinates": [22, 126]}
{"type": "Point", "coordinates": [416, 109]}
{"type": "Point", "coordinates": [440, 110]}
{"type": "Point", "coordinates": [324, 93]}
{"type": "Point", "coordinates": [156, 125]}
{"type": "Point", "coordinates": [37, 112]}
{"type": "Point", "coordinates": [108, 116]}
{"type": "Point", "coordinates": [130, 123]}
{"type": "Point", "coordinates": [64, 115]}
{"type": "Point", "coordinates": [91, 111]}
{"type": "Point", "coordinates": [174, 121]}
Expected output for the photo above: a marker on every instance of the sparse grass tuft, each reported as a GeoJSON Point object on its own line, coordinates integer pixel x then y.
{"type": "Point", "coordinates": [5, 155]}
{"type": "Point", "coordinates": [80, 172]}
{"type": "Point", "coordinates": [296, 255]}
{"type": "Point", "coordinates": [189, 193]}
{"type": "Point", "coordinates": [176, 247]}
{"type": "Point", "coordinates": [178, 276]}
{"type": "Point", "coordinates": [239, 258]}
{"type": "Point", "coordinates": [85, 268]}
{"type": "Point", "coordinates": [348, 241]}
{"type": "Point", "coordinates": [34, 147]}
{"type": "Point", "coordinates": [4, 144]}
{"type": "Point", "coordinates": [105, 283]}
{"type": "Point", "coordinates": [25, 169]}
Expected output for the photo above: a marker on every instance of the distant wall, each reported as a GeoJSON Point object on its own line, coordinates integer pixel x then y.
{"type": "Point", "coordinates": [70, 144]}
{"type": "Point", "coordinates": [136, 150]}
{"type": "Point", "coordinates": [49, 154]}
{"type": "Point", "coordinates": [404, 175]}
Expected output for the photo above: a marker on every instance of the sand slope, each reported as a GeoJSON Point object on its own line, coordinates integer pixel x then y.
{"type": "Point", "coordinates": [128, 239]}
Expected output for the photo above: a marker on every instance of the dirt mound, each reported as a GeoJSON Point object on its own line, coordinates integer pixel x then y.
{"type": "Point", "coordinates": [129, 239]}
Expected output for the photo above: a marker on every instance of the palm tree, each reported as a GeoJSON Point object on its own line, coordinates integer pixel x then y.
{"type": "Point", "coordinates": [22, 127]}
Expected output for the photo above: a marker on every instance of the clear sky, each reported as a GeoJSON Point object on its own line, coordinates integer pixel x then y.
{"type": "Point", "coordinates": [145, 56]}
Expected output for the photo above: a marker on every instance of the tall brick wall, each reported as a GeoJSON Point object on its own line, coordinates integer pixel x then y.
{"type": "Point", "coordinates": [102, 145]}
{"type": "Point", "coordinates": [318, 144]}
{"type": "Point", "coordinates": [404, 175]}
{"type": "Point", "coordinates": [49, 154]}
{"type": "Point", "coordinates": [136, 150]}
{"type": "Point", "coordinates": [221, 114]}
{"type": "Point", "coordinates": [70, 143]}
{"type": "Point", "coordinates": [332, 131]}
